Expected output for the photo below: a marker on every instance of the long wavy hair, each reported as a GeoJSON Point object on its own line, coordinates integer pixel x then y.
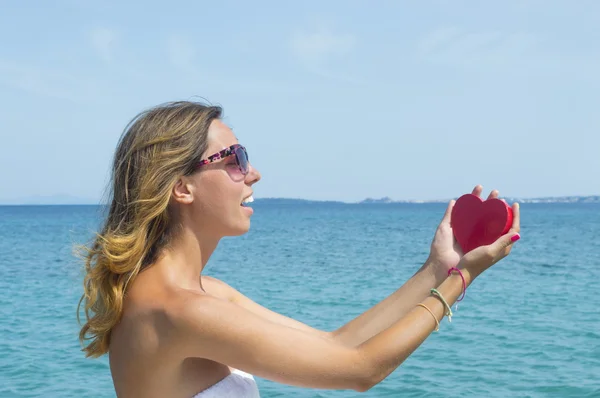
{"type": "Point", "coordinates": [157, 147]}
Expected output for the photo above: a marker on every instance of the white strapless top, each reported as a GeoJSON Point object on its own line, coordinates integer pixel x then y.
{"type": "Point", "coordinates": [238, 384]}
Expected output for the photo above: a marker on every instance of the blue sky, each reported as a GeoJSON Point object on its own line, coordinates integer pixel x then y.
{"type": "Point", "coordinates": [334, 100]}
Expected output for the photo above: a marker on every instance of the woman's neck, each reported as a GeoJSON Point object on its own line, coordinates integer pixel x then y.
{"type": "Point", "coordinates": [182, 262]}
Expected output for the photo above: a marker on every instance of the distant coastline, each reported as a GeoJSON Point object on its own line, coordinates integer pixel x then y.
{"type": "Point", "coordinates": [63, 200]}
{"type": "Point", "coordinates": [550, 199]}
{"type": "Point", "coordinates": [388, 200]}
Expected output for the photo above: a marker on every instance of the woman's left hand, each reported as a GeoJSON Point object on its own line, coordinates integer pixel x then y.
{"type": "Point", "coordinates": [445, 251]}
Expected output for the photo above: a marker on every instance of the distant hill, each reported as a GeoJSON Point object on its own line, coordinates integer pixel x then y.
{"type": "Point", "coordinates": [371, 200]}
{"type": "Point", "coordinates": [292, 201]}
{"type": "Point", "coordinates": [559, 199]}
{"type": "Point", "coordinates": [551, 199]}
{"type": "Point", "coordinates": [49, 200]}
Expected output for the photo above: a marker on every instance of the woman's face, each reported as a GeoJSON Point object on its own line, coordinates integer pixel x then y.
{"type": "Point", "coordinates": [220, 187]}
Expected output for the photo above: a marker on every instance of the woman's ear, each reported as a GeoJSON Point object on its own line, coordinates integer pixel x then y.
{"type": "Point", "coordinates": [183, 191]}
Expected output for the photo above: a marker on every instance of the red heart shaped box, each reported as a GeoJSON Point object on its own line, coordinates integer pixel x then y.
{"type": "Point", "coordinates": [476, 222]}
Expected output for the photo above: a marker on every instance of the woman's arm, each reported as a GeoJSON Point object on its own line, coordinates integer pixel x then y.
{"type": "Point", "coordinates": [363, 327]}
{"type": "Point", "coordinates": [386, 312]}
{"type": "Point", "coordinates": [229, 293]}
{"type": "Point", "coordinates": [219, 330]}
{"type": "Point", "coordinates": [444, 255]}
{"type": "Point", "coordinates": [391, 309]}
{"type": "Point", "coordinates": [369, 323]}
{"type": "Point", "coordinates": [381, 316]}
{"type": "Point", "coordinates": [208, 327]}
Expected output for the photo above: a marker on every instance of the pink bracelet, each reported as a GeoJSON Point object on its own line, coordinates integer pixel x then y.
{"type": "Point", "coordinates": [463, 282]}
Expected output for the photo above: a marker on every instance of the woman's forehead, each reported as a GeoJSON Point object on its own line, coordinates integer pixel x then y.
{"type": "Point", "coordinates": [220, 136]}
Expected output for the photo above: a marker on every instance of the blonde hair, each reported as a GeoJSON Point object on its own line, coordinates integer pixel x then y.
{"type": "Point", "coordinates": [157, 147]}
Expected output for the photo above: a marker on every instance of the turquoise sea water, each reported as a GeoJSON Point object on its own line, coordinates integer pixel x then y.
{"type": "Point", "coordinates": [529, 327]}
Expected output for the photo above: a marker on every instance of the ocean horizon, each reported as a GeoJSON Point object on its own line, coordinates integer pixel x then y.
{"type": "Point", "coordinates": [67, 200]}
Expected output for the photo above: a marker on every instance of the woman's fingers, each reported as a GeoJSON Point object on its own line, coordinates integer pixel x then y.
{"type": "Point", "coordinates": [515, 228]}
{"type": "Point", "coordinates": [516, 225]}
{"type": "Point", "coordinates": [448, 214]}
{"type": "Point", "coordinates": [494, 194]}
{"type": "Point", "coordinates": [477, 190]}
{"type": "Point", "coordinates": [503, 246]}
{"type": "Point", "coordinates": [505, 243]}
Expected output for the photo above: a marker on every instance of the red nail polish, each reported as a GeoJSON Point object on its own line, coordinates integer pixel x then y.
{"type": "Point", "coordinates": [515, 238]}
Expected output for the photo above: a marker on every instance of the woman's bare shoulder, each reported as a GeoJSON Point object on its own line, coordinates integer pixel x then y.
{"type": "Point", "coordinates": [221, 331]}
{"type": "Point", "coordinates": [218, 288]}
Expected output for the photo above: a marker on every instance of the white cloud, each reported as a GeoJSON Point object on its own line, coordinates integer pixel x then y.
{"type": "Point", "coordinates": [46, 82]}
{"type": "Point", "coordinates": [320, 50]}
{"type": "Point", "coordinates": [318, 46]}
{"type": "Point", "coordinates": [103, 40]}
{"type": "Point", "coordinates": [453, 46]}
{"type": "Point", "coordinates": [436, 39]}
{"type": "Point", "coordinates": [180, 52]}
{"type": "Point", "coordinates": [500, 52]}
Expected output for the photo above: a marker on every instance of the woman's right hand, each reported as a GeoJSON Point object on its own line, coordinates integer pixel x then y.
{"type": "Point", "coordinates": [480, 259]}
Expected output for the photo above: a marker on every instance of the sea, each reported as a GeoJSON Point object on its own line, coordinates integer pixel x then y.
{"type": "Point", "coordinates": [528, 327]}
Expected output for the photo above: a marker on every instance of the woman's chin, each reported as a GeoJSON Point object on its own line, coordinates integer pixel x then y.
{"type": "Point", "coordinates": [242, 225]}
{"type": "Point", "coordinates": [241, 229]}
{"type": "Point", "coordinates": [247, 210]}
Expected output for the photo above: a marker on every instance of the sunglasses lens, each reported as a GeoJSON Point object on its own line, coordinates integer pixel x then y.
{"type": "Point", "coordinates": [242, 159]}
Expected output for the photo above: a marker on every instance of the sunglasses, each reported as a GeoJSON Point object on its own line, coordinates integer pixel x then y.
{"type": "Point", "coordinates": [241, 157]}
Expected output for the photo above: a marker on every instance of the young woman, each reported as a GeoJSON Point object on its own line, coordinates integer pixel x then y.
{"type": "Point", "coordinates": [180, 181]}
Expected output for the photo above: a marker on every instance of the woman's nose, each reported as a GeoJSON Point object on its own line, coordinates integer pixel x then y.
{"type": "Point", "coordinates": [253, 175]}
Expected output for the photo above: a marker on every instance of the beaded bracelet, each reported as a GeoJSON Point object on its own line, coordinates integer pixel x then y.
{"type": "Point", "coordinates": [448, 309]}
{"type": "Point", "coordinates": [437, 323]}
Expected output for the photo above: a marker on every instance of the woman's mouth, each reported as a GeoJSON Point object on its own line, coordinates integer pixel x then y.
{"type": "Point", "coordinates": [247, 201]}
